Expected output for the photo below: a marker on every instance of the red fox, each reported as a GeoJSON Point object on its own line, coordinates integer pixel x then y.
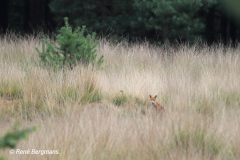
{"type": "Point", "coordinates": [155, 104]}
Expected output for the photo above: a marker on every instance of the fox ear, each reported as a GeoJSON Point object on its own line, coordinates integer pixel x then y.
{"type": "Point", "coordinates": [155, 96]}
{"type": "Point", "coordinates": [150, 96]}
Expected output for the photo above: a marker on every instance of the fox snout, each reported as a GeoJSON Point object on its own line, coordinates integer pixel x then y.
{"type": "Point", "coordinates": [153, 103]}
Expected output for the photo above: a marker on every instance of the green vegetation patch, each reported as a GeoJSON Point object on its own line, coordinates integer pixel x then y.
{"type": "Point", "coordinates": [91, 92]}
{"type": "Point", "coordinates": [10, 91]}
{"type": "Point", "coordinates": [93, 96]}
{"type": "Point", "coordinates": [12, 137]}
{"type": "Point", "coordinates": [67, 93]}
{"type": "Point", "coordinates": [120, 99]}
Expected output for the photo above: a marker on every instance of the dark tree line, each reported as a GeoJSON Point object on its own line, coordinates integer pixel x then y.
{"type": "Point", "coordinates": [26, 16]}
{"type": "Point", "coordinates": [4, 15]}
{"type": "Point", "coordinates": [158, 20]}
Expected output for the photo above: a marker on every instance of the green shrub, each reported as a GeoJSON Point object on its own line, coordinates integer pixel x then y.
{"type": "Point", "coordinates": [11, 138]}
{"type": "Point", "coordinates": [120, 99]}
{"type": "Point", "coordinates": [74, 48]}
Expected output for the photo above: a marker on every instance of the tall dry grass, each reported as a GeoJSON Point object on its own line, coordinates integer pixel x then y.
{"type": "Point", "coordinates": [105, 113]}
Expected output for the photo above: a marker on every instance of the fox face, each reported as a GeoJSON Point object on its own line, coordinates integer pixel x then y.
{"type": "Point", "coordinates": [153, 101]}
{"type": "Point", "coordinates": [155, 104]}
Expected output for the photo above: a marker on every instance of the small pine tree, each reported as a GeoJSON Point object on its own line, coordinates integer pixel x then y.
{"type": "Point", "coordinates": [74, 48]}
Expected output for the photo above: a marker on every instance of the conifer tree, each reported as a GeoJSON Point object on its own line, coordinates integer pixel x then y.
{"type": "Point", "coordinates": [158, 20]}
{"type": "Point", "coordinates": [73, 48]}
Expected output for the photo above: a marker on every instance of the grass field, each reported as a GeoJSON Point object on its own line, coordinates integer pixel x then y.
{"type": "Point", "coordinates": [105, 113]}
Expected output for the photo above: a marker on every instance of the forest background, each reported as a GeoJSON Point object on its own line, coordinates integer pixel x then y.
{"type": "Point", "coordinates": [159, 20]}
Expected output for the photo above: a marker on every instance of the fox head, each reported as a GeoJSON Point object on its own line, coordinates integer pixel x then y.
{"type": "Point", "coordinates": [153, 100]}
